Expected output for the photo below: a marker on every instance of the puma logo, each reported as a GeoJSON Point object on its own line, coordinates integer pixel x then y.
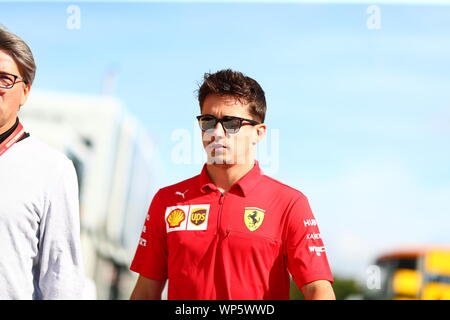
{"type": "Point", "coordinates": [181, 193]}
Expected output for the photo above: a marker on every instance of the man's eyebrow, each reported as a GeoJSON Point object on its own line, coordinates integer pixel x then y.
{"type": "Point", "coordinates": [224, 116]}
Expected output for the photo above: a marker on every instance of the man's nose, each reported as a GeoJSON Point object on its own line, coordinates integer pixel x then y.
{"type": "Point", "coordinates": [214, 134]}
{"type": "Point", "coordinates": [219, 130]}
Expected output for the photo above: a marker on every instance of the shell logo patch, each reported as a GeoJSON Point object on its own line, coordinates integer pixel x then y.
{"type": "Point", "coordinates": [175, 218]}
{"type": "Point", "coordinates": [253, 217]}
{"type": "Point", "coordinates": [198, 216]}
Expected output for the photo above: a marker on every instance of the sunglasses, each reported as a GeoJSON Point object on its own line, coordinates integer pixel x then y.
{"type": "Point", "coordinates": [8, 80]}
{"type": "Point", "coordinates": [229, 124]}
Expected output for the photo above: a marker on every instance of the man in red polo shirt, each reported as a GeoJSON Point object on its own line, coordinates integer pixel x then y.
{"type": "Point", "coordinates": [231, 232]}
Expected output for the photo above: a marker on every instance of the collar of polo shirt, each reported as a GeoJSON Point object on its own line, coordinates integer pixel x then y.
{"type": "Point", "coordinates": [245, 184]}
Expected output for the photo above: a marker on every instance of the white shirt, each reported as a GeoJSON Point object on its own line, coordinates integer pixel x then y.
{"type": "Point", "coordinates": [40, 251]}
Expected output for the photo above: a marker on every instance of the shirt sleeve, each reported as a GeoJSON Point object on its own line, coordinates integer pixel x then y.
{"type": "Point", "coordinates": [150, 259]}
{"type": "Point", "coordinates": [59, 270]}
{"type": "Point", "coordinates": [305, 250]}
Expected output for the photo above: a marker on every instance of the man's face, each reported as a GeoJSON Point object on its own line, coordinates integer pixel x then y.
{"type": "Point", "coordinates": [224, 148]}
{"type": "Point", "coordinates": [11, 99]}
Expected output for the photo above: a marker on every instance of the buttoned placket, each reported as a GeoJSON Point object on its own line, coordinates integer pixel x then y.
{"type": "Point", "coordinates": [219, 212]}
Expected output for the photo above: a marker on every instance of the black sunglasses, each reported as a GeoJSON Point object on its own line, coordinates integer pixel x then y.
{"type": "Point", "coordinates": [230, 124]}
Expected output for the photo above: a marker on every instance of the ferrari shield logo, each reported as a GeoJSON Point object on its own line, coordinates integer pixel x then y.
{"type": "Point", "coordinates": [253, 218]}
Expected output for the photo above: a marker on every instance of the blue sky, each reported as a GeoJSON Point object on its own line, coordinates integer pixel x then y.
{"type": "Point", "coordinates": [363, 116]}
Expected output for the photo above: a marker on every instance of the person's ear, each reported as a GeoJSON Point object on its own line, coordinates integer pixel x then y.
{"type": "Point", "coordinates": [260, 132]}
{"type": "Point", "coordinates": [25, 93]}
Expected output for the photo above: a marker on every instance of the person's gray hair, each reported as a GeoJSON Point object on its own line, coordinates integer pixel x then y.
{"type": "Point", "coordinates": [20, 52]}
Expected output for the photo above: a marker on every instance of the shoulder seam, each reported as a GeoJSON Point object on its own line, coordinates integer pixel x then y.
{"type": "Point", "coordinates": [178, 183]}
{"type": "Point", "coordinates": [285, 185]}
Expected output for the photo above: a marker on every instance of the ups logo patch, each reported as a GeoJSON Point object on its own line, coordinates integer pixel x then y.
{"type": "Point", "coordinates": [198, 216]}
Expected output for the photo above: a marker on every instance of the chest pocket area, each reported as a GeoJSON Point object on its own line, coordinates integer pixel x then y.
{"type": "Point", "coordinates": [253, 249]}
{"type": "Point", "coordinates": [188, 251]}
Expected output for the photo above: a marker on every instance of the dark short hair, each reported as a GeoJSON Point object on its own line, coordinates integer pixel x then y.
{"type": "Point", "coordinates": [236, 84]}
{"type": "Point", "coordinates": [20, 52]}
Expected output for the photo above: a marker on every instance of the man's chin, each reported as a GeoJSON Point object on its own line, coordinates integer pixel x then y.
{"type": "Point", "coordinates": [220, 162]}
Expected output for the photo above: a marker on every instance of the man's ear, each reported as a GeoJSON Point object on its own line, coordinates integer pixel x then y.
{"type": "Point", "coordinates": [260, 132]}
{"type": "Point", "coordinates": [26, 93]}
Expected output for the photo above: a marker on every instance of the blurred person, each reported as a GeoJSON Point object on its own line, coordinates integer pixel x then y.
{"type": "Point", "coordinates": [40, 256]}
{"type": "Point", "coordinates": [231, 232]}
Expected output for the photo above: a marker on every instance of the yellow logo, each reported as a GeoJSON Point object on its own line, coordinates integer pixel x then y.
{"type": "Point", "coordinates": [198, 216]}
{"type": "Point", "coordinates": [175, 218]}
{"type": "Point", "coordinates": [253, 218]}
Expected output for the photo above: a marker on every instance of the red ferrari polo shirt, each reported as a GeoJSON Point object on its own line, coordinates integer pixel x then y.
{"type": "Point", "coordinates": [241, 244]}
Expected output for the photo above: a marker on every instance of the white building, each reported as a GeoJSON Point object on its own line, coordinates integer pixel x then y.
{"type": "Point", "coordinates": [116, 163]}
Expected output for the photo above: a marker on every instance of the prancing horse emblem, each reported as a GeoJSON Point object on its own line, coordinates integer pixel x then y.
{"type": "Point", "coordinates": [253, 218]}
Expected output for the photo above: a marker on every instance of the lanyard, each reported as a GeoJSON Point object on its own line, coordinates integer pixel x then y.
{"type": "Point", "coordinates": [16, 135]}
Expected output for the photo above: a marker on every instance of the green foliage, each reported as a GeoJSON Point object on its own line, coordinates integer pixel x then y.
{"type": "Point", "coordinates": [343, 288]}
{"type": "Point", "coordinates": [295, 293]}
